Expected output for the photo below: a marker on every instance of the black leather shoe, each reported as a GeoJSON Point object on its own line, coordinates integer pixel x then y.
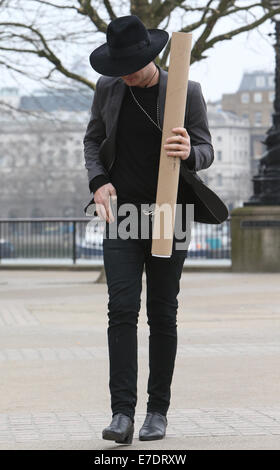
{"type": "Point", "coordinates": [120, 430]}
{"type": "Point", "coordinates": [154, 427]}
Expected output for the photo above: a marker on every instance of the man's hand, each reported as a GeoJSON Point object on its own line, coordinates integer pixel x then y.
{"type": "Point", "coordinates": [178, 145]}
{"type": "Point", "coordinates": [102, 200]}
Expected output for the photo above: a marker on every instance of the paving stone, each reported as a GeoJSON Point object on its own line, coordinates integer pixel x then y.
{"type": "Point", "coordinates": [14, 315]}
{"type": "Point", "coordinates": [86, 425]}
{"type": "Point", "coordinates": [53, 437]}
{"type": "Point", "coordinates": [48, 354]}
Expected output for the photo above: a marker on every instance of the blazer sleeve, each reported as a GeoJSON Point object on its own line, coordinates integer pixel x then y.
{"type": "Point", "coordinates": [94, 136]}
{"type": "Point", "coordinates": [202, 151]}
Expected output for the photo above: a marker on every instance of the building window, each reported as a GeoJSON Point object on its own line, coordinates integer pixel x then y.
{"type": "Point", "coordinates": [245, 98]}
{"type": "Point", "coordinates": [258, 118]}
{"type": "Point", "coordinates": [245, 116]}
{"type": "Point", "coordinates": [271, 96]}
{"type": "Point", "coordinates": [219, 138]}
{"type": "Point", "coordinates": [257, 97]}
{"type": "Point", "coordinates": [220, 179]}
{"type": "Point", "coordinates": [219, 154]}
{"type": "Point", "coordinates": [260, 81]}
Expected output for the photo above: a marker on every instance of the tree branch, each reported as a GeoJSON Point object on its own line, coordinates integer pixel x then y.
{"type": "Point", "coordinates": [142, 8]}
{"type": "Point", "coordinates": [64, 7]}
{"type": "Point", "coordinates": [201, 44]}
{"type": "Point", "coordinates": [187, 29]}
{"type": "Point", "coordinates": [162, 10]}
{"type": "Point", "coordinates": [210, 23]}
{"type": "Point", "coordinates": [109, 9]}
{"type": "Point", "coordinates": [87, 9]}
{"type": "Point", "coordinates": [46, 52]}
{"type": "Point", "coordinates": [234, 32]}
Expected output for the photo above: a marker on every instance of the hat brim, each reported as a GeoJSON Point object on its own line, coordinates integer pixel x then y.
{"type": "Point", "coordinates": [103, 63]}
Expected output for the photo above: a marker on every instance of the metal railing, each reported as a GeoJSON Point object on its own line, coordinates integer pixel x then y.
{"type": "Point", "coordinates": [77, 239]}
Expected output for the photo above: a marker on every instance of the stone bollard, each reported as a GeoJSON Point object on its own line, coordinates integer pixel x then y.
{"type": "Point", "coordinates": [255, 239]}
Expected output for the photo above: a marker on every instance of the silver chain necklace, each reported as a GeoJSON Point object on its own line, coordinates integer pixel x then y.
{"type": "Point", "coordinates": [158, 117]}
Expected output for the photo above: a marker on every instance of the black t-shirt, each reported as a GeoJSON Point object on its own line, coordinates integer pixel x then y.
{"type": "Point", "coordinates": [134, 173]}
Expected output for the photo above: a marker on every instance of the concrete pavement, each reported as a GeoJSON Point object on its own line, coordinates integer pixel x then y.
{"type": "Point", "coordinates": [54, 363]}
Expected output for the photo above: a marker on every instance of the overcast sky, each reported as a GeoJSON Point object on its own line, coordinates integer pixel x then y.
{"type": "Point", "coordinates": [220, 73]}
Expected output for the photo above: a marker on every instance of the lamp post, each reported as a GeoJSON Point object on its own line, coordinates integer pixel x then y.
{"type": "Point", "coordinates": [266, 184]}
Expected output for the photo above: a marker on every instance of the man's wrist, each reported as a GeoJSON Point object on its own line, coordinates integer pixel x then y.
{"type": "Point", "coordinates": [97, 182]}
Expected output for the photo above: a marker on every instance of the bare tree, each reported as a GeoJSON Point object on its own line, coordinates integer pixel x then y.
{"type": "Point", "coordinates": [52, 31]}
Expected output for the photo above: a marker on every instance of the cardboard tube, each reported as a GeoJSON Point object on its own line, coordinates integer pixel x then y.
{"type": "Point", "coordinates": [169, 167]}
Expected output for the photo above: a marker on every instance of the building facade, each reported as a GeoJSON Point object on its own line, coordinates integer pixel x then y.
{"type": "Point", "coordinates": [230, 173]}
{"type": "Point", "coordinates": [254, 101]}
{"type": "Point", "coordinates": [41, 157]}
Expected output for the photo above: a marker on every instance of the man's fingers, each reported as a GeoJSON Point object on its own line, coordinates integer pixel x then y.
{"type": "Point", "coordinates": [113, 191]}
{"type": "Point", "coordinates": [176, 138]}
{"type": "Point", "coordinates": [180, 130]}
{"type": "Point", "coordinates": [111, 215]}
{"type": "Point", "coordinates": [103, 207]}
{"type": "Point", "coordinates": [101, 211]}
{"type": "Point", "coordinates": [109, 212]}
{"type": "Point", "coordinates": [112, 201]}
{"type": "Point", "coordinates": [174, 147]}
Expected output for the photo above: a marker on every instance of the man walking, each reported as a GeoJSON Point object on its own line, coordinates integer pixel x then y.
{"type": "Point", "coordinates": [122, 149]}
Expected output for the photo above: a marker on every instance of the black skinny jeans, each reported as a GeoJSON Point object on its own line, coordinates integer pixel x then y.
{"type": "Point", "coordinates": [124, 262]}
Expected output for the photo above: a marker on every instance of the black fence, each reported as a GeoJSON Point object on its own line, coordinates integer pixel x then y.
{"type": "Point", "coordinates": [75, 239]}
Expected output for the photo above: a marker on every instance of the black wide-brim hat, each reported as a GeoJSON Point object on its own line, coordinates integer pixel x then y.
{"type": "Point", "coordinates": [129, 47]}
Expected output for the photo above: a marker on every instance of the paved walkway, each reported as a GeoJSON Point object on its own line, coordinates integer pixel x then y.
{"type": "Point", "coordinates": [54, 363]}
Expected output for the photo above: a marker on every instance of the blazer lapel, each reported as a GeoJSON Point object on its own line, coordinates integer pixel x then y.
{"type": "Point", "coordinates": [114, 107]}
{"type": "Point", "coordinates": [107, 149]}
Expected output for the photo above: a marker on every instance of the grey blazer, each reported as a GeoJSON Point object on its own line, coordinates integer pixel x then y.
{"type": "Point", "coordinates": [100, 138]}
